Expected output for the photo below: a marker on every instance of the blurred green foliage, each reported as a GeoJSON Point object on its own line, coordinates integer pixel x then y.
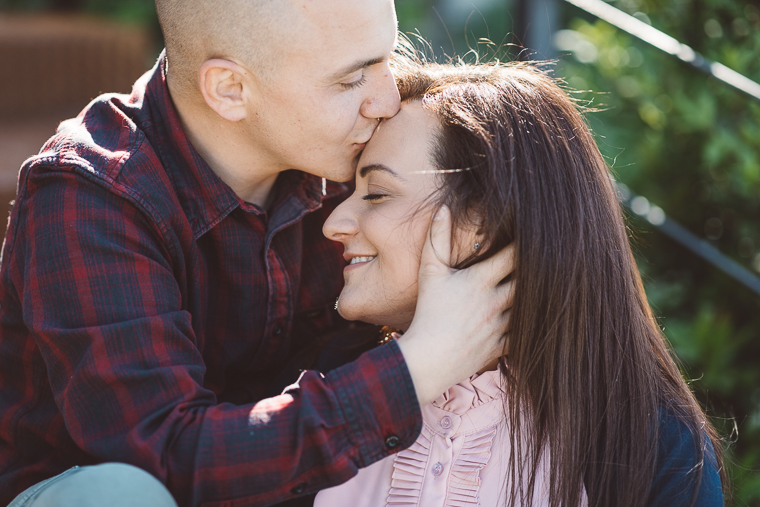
{"type": "Point", "coordinates": [687, 142]}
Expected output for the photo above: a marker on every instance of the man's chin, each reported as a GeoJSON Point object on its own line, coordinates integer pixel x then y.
{"type": "Point", "coordinates": [344, 179]}
{"type": "Point", "coordinates": [345, 174]}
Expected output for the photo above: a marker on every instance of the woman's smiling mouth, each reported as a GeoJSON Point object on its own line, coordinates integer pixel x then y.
{"type": "Point", "coordinates": [357, 260]}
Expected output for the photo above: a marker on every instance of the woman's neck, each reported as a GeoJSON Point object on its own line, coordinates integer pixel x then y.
{"type": "Point", "coordinates": [490, 366]}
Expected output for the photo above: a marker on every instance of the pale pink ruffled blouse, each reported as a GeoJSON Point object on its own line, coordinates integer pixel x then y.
{"type": "Point", "coordinates": [460, 459]}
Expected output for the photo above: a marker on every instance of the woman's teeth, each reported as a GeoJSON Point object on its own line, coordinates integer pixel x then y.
{"type": "Point", "coordinates": [357, 260]}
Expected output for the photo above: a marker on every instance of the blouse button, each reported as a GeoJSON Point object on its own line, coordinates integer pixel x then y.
{"type": "Point", "coordinates": [446, 422]}
{"type": "Point", "coordinates": [437, 469]}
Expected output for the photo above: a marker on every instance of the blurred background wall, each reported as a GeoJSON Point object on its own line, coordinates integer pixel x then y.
{"type": "Point", "coordinates": [55, 56]}
{"type": "Point", "coordinates": [684, 141]}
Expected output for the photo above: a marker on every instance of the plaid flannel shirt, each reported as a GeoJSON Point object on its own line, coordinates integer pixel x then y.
{"type": "Point", "coordinates": [139, 293]}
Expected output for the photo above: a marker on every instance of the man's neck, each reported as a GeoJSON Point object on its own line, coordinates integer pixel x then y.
{"type": "Point", "coordinates": [228, 161]}
{"type": "Point", "coordinates": [220, 144]}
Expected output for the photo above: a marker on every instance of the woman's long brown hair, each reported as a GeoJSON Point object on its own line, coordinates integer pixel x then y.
{"type": "Point", "coordinates": [588, 367]}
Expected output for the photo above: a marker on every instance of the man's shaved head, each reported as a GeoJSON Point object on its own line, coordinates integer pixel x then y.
{"type": "Point", "coordinates": [264, 86]}
{"type": "Point", "coordinates": [241, 30]}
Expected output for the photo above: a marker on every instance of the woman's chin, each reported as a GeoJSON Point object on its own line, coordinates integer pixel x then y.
{"type": "Point", "coordinates": [353, 314]}
{"type": "Point", "coordinates": [396, 312]}
{"type": "Point", "coordinates": [349, 312]}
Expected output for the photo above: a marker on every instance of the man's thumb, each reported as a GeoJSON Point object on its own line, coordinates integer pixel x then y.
{"type": "Point", "coordinates": [436, 254]}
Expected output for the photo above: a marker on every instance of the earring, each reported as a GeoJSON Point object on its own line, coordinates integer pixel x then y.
{"type": "Point", "coordinates": [476, 246]}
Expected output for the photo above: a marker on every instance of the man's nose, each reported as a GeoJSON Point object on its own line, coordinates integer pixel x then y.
{"type": "Point", "coordinates": [383, 101]}
{"type": "Point", "coordinates": [342, 224]}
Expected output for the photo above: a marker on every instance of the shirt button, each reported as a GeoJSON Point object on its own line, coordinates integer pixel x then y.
{"type": "Point", "coordinates": [446, 422]}
{"type": "Point", "coordinates": [277, 331]}
{"type": "Point", "coordinates": [299, 489]}
{"type": "Point", "coordinates": [437, 469]}
{"type": "Point", "coordinates": [392, 442]}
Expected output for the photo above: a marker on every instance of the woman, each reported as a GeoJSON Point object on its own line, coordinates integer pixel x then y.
{"type": "Point", "coordinates": [591, 407]}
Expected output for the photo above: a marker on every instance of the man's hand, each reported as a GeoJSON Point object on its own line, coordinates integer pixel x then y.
{"type": "Point", "coordinates": [461, 315]}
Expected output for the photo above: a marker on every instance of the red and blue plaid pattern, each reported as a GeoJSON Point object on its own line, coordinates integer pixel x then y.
{"type": "Point", "coordinates": [139, 293]}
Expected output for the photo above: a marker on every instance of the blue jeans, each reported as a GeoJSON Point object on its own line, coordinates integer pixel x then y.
{"type": "Point", "coordinates": [109, 484]}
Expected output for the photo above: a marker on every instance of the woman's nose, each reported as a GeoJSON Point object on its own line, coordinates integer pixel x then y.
{"type": "Point", "coordinates": [342, 224]}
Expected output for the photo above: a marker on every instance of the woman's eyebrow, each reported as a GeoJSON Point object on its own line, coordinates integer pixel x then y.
{"type": "Point", "coordinates": [364, 171]}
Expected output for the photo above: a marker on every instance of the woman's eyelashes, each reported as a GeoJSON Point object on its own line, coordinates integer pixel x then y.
{"type": "Point", "coordinates": [374, 197]}
{"type": "Point", "coordinates": [376, 192]}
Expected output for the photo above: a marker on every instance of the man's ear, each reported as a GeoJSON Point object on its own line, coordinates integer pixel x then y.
{"type": "Point", "coordinates": [223, 86]}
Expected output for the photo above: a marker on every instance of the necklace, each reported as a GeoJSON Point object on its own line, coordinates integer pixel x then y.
{"type": "Point", "coordinates": [387, 334]}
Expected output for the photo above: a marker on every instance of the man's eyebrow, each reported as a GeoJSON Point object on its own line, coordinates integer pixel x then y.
{"type": "Point", "coordinates": [364, 171]}
{"type": "Point", "coordinates": [358, 66]}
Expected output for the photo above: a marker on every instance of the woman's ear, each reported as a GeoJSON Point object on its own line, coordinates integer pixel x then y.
{"type": "Point", "coordinates": [468, 240]}
{"type": "Point", "coordinates": [223, 86]}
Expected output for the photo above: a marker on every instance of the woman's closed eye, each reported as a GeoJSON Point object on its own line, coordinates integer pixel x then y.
{"type": "Point", "coordinates": [374, 197]}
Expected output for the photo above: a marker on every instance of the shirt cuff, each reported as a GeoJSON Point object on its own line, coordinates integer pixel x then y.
{"type": "Point", "coordinates": [379, 403]}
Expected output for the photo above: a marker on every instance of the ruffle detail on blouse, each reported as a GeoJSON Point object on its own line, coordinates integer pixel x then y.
{"type": "Point", "coordinates": [409, 469]}
{"type": "Point", "coordinates": [472, 393]}
{"type": "Point", "coordinates": [409, 472]}
{"type": "Point", "coordinates": [464, 484]}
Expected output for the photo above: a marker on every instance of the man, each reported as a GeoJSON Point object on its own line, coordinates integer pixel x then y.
{"type": "Point", "coordinates": [163, 264]}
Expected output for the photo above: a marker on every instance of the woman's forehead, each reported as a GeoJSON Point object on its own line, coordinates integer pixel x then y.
{"type": "Point", "coordinates": [403, 142]}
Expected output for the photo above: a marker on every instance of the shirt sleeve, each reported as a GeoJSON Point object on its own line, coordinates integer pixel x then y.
{"type": "Point", "coordinates": [683, 473]}
{"type": "Point", "coordinates": [96, 282]}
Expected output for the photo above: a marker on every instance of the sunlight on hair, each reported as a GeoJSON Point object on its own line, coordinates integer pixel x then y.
{"type": "Point", "coordinates": [443, 171]}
